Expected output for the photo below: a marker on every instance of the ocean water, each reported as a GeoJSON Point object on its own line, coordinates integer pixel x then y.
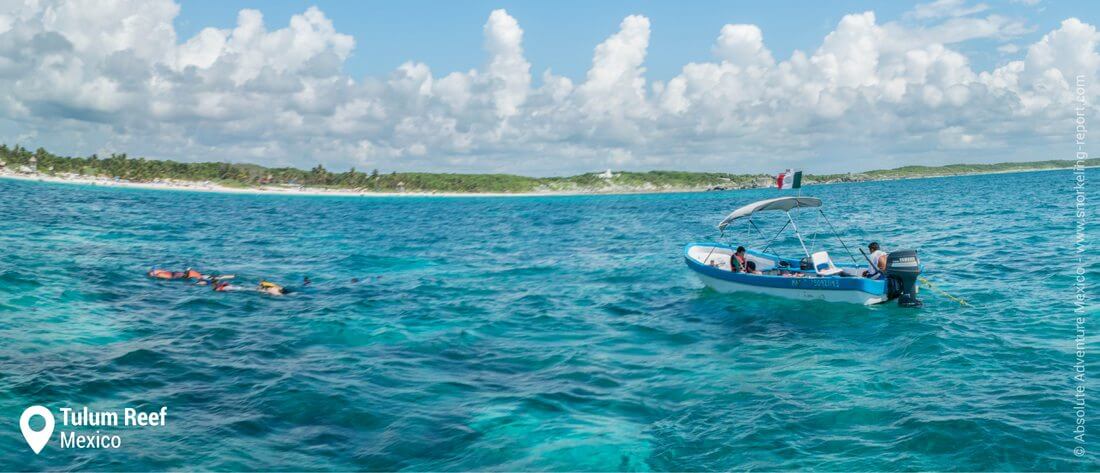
{"type": "Point", "coordinates": [538, 333]}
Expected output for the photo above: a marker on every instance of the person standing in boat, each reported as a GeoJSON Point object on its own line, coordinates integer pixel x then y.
{"type": "Point", "coordinates": [737, 260]}
{"type": "Point", "coordinates": [877, 263]}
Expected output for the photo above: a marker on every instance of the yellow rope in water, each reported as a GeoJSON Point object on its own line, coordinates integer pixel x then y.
{"type": "Point", "coordinates": [928, 283]}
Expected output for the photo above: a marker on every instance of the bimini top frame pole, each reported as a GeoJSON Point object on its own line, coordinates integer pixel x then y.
{"type": "Point", "coordinates": [838, 238]}
{"type": "Point", "coordinates": [797, 234]}
{"type": "Point", "coordinates": [780, 232]}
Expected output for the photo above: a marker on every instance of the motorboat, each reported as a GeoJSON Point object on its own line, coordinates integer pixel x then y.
{"type": "Point", "coordinates": [812, 276]}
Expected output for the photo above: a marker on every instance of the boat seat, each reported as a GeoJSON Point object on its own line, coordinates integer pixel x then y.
{"type": "Point", "coordinates": [823, 265]}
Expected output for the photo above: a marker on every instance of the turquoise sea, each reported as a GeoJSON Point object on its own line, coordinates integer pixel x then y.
{"type": "Point", "coordinates": [538, 333]}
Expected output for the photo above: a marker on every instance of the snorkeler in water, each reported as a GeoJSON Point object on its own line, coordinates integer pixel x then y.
{"type": "Point", "coordinates": [272, 288]}
{"type": "Point", "coordinates": [265, 287]}
{"type": "Point", "coordinates": [227, 287]}
{"type": "Point", "coordinates": [208, 279]}
{"type": "Point", "coordinates": [219, 282]}
{"type": "Point", "coordinates": [166, 274]}
{"type": "Point", "coordinates": [189, 274]}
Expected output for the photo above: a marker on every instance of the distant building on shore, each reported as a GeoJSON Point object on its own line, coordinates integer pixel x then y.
{"type": "Point", "coordinates": [606, 175]}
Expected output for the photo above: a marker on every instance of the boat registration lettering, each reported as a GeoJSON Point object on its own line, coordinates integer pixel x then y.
{"type": "Point", "coordinates": [816, 283]}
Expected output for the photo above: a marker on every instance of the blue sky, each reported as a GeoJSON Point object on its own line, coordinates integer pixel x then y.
{"type": "Point", "coordinates": [561, 34]}
{"type": "Point", "coordinates": [550, 88]}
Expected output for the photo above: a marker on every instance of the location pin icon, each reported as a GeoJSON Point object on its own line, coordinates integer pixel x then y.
{"type": "Point", "coordinates": [36, 438]}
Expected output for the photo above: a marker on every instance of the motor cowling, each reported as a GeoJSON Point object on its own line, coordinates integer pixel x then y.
{"type": "Point", "coordinates": [902, 271]}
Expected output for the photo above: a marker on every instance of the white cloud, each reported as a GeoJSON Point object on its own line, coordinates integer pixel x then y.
{"type": "Point", "coordinates": [95, 76]}
{"type": "Point", "coordinates": [1069, 50]}
{"type": "Point", "coordinates": [508, 71]}
{"type": "Point", "coordinates": [616, 83]}
{"type": "Point", "coordinates": [946, 8]}
{"type": "Point", "coordinates": [307, 43]}
{"type": "Point", "coordinates": [744, 45]}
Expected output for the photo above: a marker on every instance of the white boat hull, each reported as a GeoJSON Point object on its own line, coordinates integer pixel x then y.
{"type": "Point", "coordinates": [710, 262]}
{"type": "Point", "coordinates": [854, 297]}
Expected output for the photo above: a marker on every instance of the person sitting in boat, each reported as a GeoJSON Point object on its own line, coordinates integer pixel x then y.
{"type": "Point", "coordinates": [750, 267]}
{"type": "Point", "coordinates": [737, 260]}
{"type": "Point", "coordinates": [877, 263]}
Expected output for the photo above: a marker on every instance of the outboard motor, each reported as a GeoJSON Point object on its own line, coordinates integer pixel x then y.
{"type": "Point", "coordinates": [902, 270]}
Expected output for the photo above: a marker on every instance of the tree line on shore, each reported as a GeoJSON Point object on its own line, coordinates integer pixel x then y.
{"type": "Point", "coordinates": [121, 166]}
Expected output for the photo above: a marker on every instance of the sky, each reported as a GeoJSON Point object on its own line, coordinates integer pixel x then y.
{"type": "Point", "coordinates": [549, 88]}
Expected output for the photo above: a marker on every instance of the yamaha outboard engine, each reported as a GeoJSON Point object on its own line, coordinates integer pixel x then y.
{"type": "Point", "coordinates": [902, 270]}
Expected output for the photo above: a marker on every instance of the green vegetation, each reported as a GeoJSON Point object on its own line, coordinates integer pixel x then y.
{"type": "Point", "coordinates": [909, 172]}
{"type": "Point", "coordinates": [250, 175]}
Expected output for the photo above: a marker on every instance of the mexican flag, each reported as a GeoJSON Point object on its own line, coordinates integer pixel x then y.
{"type": "Point", "coordinates": [789, 180]}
